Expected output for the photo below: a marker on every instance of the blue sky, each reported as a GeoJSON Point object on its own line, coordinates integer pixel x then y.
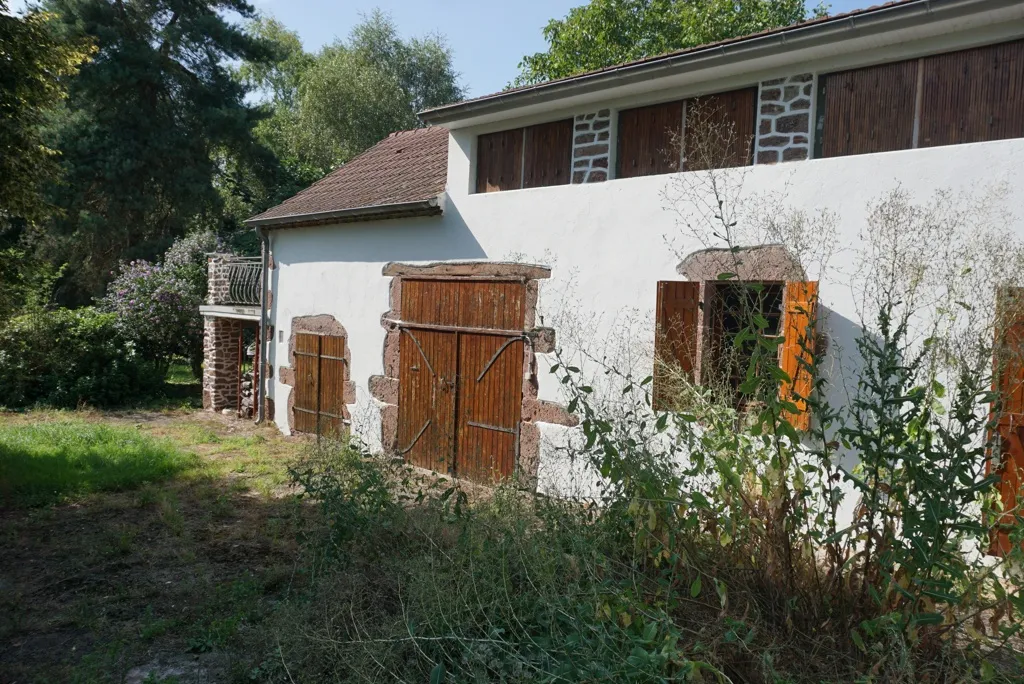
{"type": "Point", "coordinates": [488, 37]}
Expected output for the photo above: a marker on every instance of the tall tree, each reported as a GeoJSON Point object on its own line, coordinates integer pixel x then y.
{"type": "Point", "coordinates": [34, 66]}
{"type": "Point", "coordinates": [142, 125]}
{"type": "Point", "coordinates": [608, 32]}
{"type": "Point", "coordinates": [331, 106]}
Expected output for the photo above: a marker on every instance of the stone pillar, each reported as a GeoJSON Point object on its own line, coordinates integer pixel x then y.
{"type": "Point", "coordinates": [220, 368]}
{"type": "Point", "coordinates": [218, 280]}
{"type": "Point", "coordinates": [591, 150]}
{"type": "Point", "coordinates": [784, 119]}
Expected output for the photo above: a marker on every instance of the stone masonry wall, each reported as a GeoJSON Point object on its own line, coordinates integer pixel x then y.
{"type": "Point", "coordinates": [220, 370]}
{"type": "Point", "coordinates": [784, 120]}
{"type": "Point", "coordinates": [591, 150]}
{"type": "Point", "coordinates": [218, 282]}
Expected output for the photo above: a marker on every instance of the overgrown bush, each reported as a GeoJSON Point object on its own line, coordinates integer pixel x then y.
{"type": "Point", "coordinates": [720, 543]}
{"type": "Point", "coordinates": [68, 357]}
{"type": "Point", "coordinates": [157, 305]}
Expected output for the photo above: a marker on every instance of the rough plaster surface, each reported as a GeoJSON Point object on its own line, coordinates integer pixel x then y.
{"type": "Point", "coordinates": [608, 245]}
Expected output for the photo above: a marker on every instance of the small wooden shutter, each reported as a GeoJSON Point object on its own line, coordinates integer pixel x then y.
{"type": "Point", "coordinates": [548, 154]}
{"type": "Point", "coordinates": [675, 341]}
{"type": "Point", "coordinates": [796, 352]}
{"type": "Point", "coordinates": [499, 161]}
{"type": "Point", "coordinates": [331, 415]}
{"type": "Point", "coordinates": [307, 382]}
{"type": "Point", "coordinates": [720, 130]}
{"type": "Point", "coordinates": [1009, 380]}
{"type": "Point", "coordinates": [973, 95]}
{"type": "Point", "coordinates": [869, 110]}
{"type": "Point", "coordinates": [319, 403]}
{"type": "Point", "coordinates": [649, 139]}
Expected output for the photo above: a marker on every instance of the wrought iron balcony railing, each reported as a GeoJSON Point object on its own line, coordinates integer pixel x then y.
{"type": "Point", "coordinates": [244, 278]}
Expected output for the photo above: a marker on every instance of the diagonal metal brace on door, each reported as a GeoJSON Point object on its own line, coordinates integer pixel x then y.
{"type": "Point", "coordinates": [403, 452]}
{"type": "Point", "coordinates": [420, 349]}
{"type": "Point", "coordinates": [494, 358]}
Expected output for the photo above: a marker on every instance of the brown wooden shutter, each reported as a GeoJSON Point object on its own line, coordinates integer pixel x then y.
{"type": "Point", "coordinates": [331, 415]}
{"type": "Point", "coordinates": [973, 95]}
{"type": "Point", "coordinates": [675, 340]}
{"type": "Point", "coordinates": [649, 139]}
{"type": "Point", "coordinates": [548, 154]}
{"type": "Point", "coordinates": [307, 382]}
{"type": "Point", "coordinates": [869, 110]}
{"type": "Point", "coordinates": [499, 161]}
{"type": "Point", "coordinates": [1009, 381]}
{"type": "Point", "coordinates": [720, 130]}
{"type": "Point", "coordinates": [797, 349]}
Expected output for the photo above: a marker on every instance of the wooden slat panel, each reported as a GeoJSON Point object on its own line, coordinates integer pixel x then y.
{"type": "Point", "coordinates": [548, 154]}
{"type": "Point", "coordinates": [426, 398]}
{"type": "Point", "coordinates": [1011, 470]}
{"type": "Point", "coordinates": [649, 139]}
{"type": "Point", "coordinates": [332, 386]}
{"type": "Point", "coordinates": [490, 404]}
{"type": "Point", "coordinates": [492, 304]}
{"type": "Point", "coordinates": [431, 301]}
{"type": "Point", "coordinates": [798, 345]}
{"type": "Point", "coordinates": [675, 340]}
{"type": "Point", "coordinates": [499, 305]}
{"type": "Point", "coordinates": [307, 381]}
{"type": "Point", "coordinates": [973, 95]}
{"type": "Point", "coordinates": [719, 130]}
{"type": "Point", "coordinates": [869, 110]}
{"type": "Point", "coordinates": [499, 161]}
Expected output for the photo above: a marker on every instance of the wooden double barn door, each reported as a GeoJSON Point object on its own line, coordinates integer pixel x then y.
{"type": "Point", "coordinates": [460, 376]}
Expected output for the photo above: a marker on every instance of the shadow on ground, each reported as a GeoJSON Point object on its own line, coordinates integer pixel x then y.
{"type": "Point", "coordinates": [156, 582]}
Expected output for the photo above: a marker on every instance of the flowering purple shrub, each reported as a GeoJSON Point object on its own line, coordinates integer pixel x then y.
{"type": "Point", "coordinates": [157, 305]}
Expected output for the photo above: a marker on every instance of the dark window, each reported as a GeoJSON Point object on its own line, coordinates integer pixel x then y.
{"type": "Point", "coordinates": [685, 325]}
{"type": "Point", "coordinates": [529, 157]}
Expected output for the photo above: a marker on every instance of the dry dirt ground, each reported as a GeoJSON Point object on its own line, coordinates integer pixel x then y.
{"type": "Point", "coordinates": [158, 584]}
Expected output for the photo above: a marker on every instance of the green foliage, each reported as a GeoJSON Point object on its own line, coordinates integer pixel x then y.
{"type": "Point", "coordinates": [48, 462]}
{"type": "Point", "coordinates": [36, 65]}
{"type": "Point", "coordinates": [329, 107]}
{"type": "Point", "coordinates": [70, 357]}
{"type": "Point", "coordinates": [26, 282]}
{"type": "Point", "coordinates": [141, 128]}
{"type": "Point", "coordinates": [157, 305]}
{"type": "Point", "coordinates": [607, 32]}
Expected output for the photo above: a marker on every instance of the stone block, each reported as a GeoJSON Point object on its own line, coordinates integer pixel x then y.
{"type": "Point", "coordinates": [793, 123]}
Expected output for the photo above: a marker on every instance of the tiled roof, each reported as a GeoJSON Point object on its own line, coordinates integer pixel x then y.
{"type": "Point", "coordinates": [847, 16]}
{"type": "Point", "coordinates": [408, 166]}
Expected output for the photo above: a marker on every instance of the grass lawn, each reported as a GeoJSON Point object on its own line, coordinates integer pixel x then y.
{"type": "Point", "coordinates": [49, 462]}
{"type": "Point", "coordinates": [140, 546]}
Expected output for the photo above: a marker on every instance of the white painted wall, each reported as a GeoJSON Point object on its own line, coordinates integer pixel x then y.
{"type": "Point", "coordinates": [606, 243]}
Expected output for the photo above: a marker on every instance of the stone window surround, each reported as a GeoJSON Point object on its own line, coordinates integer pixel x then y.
{"type": "Point", "coordinates": [385, 388]}
{"type": "Point", "coordinates": [318, 324]}
{"type": "Point", "coordinates": [767, 263]}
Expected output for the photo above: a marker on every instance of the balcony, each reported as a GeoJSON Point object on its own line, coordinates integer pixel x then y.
{"type": "Point", "coordinates": [233, 288]}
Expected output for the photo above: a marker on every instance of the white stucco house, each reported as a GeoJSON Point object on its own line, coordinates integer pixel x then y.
{"type": "Point", "coordinates": [417, 293]}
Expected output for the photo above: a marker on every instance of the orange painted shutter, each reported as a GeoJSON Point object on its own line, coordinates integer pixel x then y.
{"type": "Point", "coordinates": [795, 355]}
{"type": "Point", "coordinates": [675, 340]}
{"type": "Point", "coordinates": [1009, 380]}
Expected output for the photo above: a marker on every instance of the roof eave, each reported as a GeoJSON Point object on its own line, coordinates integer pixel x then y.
{"type": "Point", "coordinates": [380, 212]}
{"type": "Point", "coordinates": [859, 25]}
